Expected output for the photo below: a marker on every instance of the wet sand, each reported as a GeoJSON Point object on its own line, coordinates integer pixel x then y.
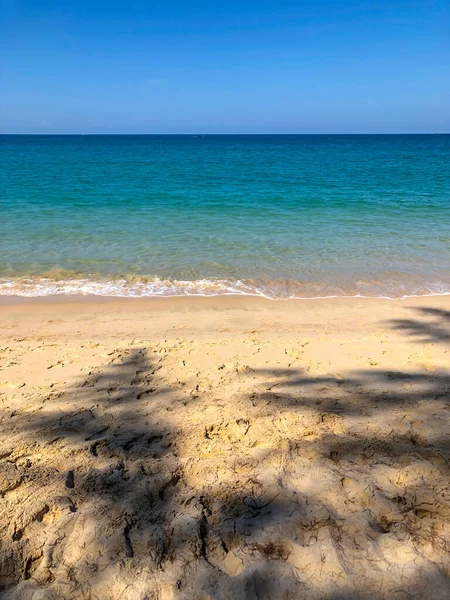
{"type": "Point", "coordinates": [225, 448]}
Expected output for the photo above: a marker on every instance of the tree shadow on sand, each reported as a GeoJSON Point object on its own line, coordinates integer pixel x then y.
{"type": "Point", "coordinates": [122, 470]}
{"type": "Point", "coordinates": [432, 327]}
{"type": "Point", "coordinates": [324, 487]}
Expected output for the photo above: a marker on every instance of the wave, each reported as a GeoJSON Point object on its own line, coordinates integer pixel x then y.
{"type": "Point", "coordinates": [280, 289]}
{"type": "Point", "coordinates": [30, 287]}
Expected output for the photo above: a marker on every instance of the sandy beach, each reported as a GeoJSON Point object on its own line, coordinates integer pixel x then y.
{"type": "Point", "coordinates": [225, 448]}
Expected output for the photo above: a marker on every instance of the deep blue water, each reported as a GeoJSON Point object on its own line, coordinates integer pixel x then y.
{"type": "Point", "coordinates": [274, 214]}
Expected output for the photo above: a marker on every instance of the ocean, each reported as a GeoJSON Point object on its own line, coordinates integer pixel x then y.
{"type": "Point", "coordinates": [280, 216]}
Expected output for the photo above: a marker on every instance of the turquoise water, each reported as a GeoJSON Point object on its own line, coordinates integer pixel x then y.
{"type": "Point", "coordinates": [274, 215]}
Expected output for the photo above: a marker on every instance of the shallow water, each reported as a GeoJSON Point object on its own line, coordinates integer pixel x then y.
{"type": "Point", "coordinates": [279, 216]}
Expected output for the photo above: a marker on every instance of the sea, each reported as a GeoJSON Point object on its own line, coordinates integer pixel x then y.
{"type": "Point", "coordinates": [279, 216]}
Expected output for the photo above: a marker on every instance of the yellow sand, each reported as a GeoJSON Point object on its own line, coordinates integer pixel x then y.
{"type": "Point", "coordinates": [225, 448]}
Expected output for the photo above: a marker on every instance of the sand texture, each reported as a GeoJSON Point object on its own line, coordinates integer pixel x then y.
{"type": "Point", "coordinates": [225, 449]}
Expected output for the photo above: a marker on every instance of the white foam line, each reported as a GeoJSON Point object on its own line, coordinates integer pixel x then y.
{"type": "Point", "coordinates": [35, 287]}
{"type": "Point", "coordinates": [230, 292]}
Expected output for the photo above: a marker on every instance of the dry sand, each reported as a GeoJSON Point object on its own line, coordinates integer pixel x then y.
{"type": "Point", "coordinates": [227, 448]}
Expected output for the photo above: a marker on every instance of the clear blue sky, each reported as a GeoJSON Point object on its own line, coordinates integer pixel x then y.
{"type": "Point", "coordinates": [254, 66]}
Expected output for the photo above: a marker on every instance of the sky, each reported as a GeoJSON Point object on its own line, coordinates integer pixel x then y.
{"type": "Point", "coordinates": [241, 66]}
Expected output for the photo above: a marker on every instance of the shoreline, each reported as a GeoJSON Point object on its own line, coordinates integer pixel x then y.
{"type": "Point", "coordinates": [394, 287]}
{"type": "Point", "coordinates": [62, 298]}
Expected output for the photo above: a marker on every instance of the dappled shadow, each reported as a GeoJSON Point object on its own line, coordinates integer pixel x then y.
{"type": "Point", "coordinates": [433, 327]}
{"type": "Point", "coordinates": [364, 394]}
{"type": "Point", "coordinates": [104, 428]}
{"type": "Point", "coordinates": [323, 487]}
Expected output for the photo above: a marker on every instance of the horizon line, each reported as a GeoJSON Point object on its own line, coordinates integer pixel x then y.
{"type": "Point", "coordinates": [229, 134]}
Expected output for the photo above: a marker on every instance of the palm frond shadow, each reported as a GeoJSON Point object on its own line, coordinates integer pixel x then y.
{"type": "Point", "coordinates": [432, 325]}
